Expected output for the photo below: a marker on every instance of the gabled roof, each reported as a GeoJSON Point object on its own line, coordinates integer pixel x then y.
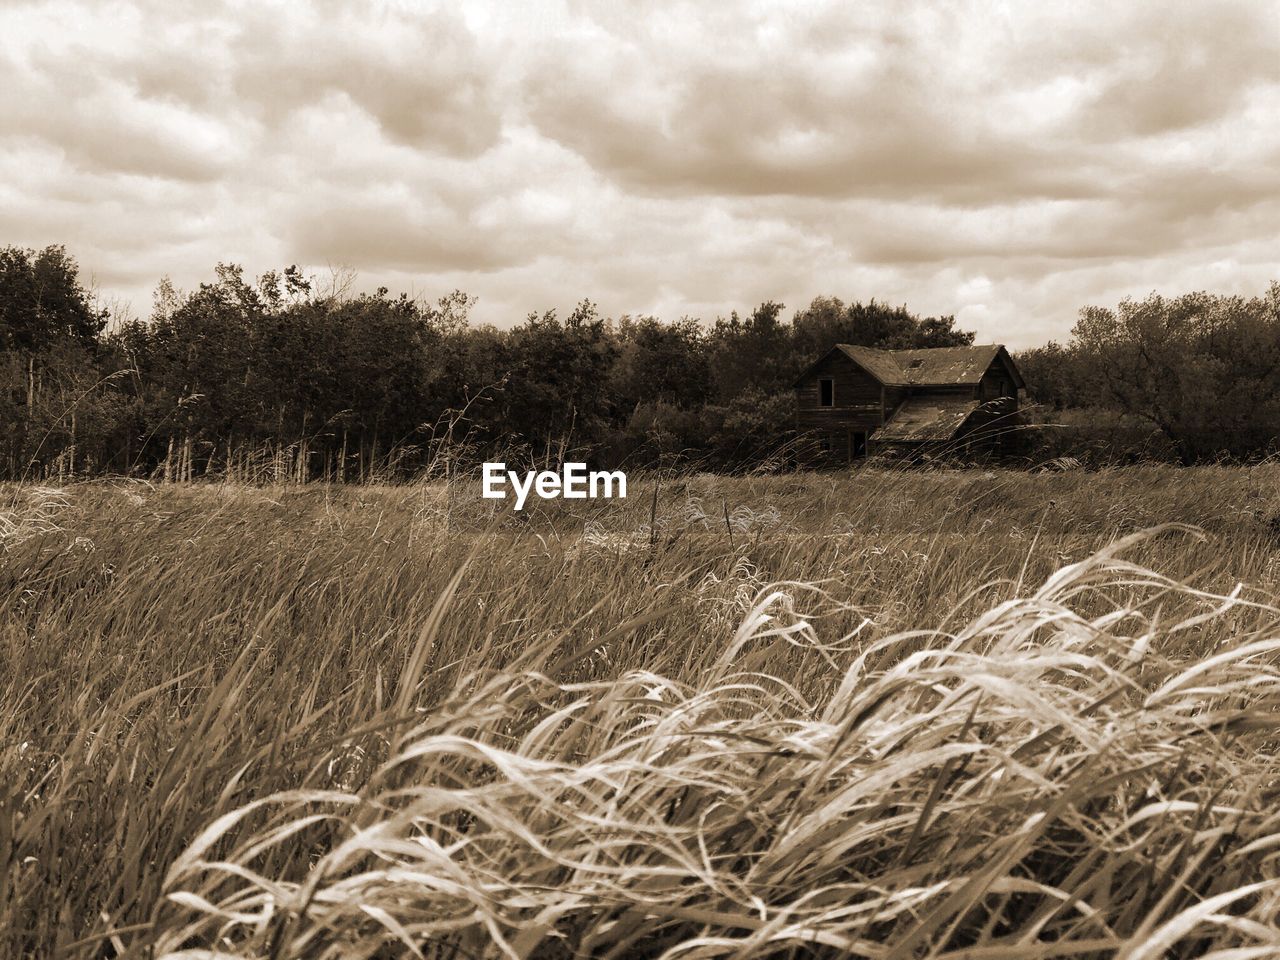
{"type": "Point", "coordinates": [934, 367]}
{"type": "Point", "coordinates": [926, 417]}
{"type": "Point", "coordinates": [945, 366]}
{"type": "Point", "coordinates": [881, 364]}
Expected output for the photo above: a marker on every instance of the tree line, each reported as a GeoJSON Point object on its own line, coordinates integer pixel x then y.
{"type": "Point", "coordinates": [277, 374]}
{"type": "Point", "coordinates": [287, 375]}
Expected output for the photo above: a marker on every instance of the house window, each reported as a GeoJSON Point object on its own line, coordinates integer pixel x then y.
{"type": "Point", "coordinates": [858, 444]}
{"type": "Point", "coordinates": [826, 392]}
{"type": "Point", "coordinates": [824, 443]}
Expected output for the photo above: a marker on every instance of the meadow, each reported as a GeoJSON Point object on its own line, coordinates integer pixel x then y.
{"type": "Point", "coordinates": [953, 713]}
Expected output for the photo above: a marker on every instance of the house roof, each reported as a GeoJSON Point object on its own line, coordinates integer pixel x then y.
{"type": "Point", "coordinates": [932, 367]}
{"type": "Point", "coordinates": [881, 364]}
{"type": "Point", "coordinates": [935, 367]}
{"type": "Point", "coordinates": [927, 418]}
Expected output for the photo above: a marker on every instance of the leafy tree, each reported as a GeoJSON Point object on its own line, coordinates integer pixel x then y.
{"type": "Point", "coordinates": [660, 362]}
{"type": "Point", "coordinates": [753, 426]}
{"type": "Point", "coordinates": [828, 321]}
{"type": "Point", "coordinates": [1060, 376]}
{"type": "Point", "coordinates": [49, 330]}
{"type": "Point", "coordinates": [42, 301]}
{"type": "Point", "coordinates": [380, 370]}
{"type": "Point", "coordinates": [1204, 369]}
{"type": "Point", "coordinates": [661, 433]}
{"type": "Point", "coordinates": [556, 379]}
{"type": "Point", "coordinates": [755, 353]}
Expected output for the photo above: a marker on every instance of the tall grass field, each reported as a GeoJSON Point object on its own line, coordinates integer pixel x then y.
{"type": "Point", "coordinates": [954, 714]}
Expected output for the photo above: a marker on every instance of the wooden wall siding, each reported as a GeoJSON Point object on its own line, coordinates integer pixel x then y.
{"type": "Point", "coordinates": [893, 397]}
{"type": "Point", "coordinates": [841, 452]}
{"type": "Point", "coordinates": [994, 420]}
{"type": "Point", "coordinates": [996, 382]}
{"type": "Point", "coordinates": [992, 423]}
{"type": "Point", "coordinates": [858, 399]}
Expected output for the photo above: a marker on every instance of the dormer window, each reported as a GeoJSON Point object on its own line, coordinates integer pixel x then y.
{"type": "Point", "coordinates": [826, 392]}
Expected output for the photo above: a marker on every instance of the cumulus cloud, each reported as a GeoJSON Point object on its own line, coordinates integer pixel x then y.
{"type": "Point", "coordinates": [1005, 162]}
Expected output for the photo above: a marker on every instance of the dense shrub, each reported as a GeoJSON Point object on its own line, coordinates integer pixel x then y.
{"type": "Point", "coordinates": [1095, 436]}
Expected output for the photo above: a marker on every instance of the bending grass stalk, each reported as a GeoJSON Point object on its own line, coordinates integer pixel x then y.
{"type": "Point", "coordinates": [950, 803]}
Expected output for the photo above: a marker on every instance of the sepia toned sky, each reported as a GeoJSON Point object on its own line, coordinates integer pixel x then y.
{"type": "Point", "coordinates": [1006, 162]}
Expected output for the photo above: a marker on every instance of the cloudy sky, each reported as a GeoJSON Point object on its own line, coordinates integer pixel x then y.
{"type": "Point", "coordinates": [1006, 162]}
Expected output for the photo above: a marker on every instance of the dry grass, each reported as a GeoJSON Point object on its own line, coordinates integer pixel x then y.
{"type": "Point", "coordinates": [371, 722]}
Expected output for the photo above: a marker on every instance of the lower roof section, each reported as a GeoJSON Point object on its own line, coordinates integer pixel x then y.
{"type": "Point", "coordinates": [927, 418]}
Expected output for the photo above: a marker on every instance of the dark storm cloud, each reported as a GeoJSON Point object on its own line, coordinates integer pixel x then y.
{"type": "Point", "coordinates": [1005, 161]}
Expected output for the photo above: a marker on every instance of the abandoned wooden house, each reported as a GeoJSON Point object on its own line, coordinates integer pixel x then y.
{"type": "Point", "coordinates": [854, 401]}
